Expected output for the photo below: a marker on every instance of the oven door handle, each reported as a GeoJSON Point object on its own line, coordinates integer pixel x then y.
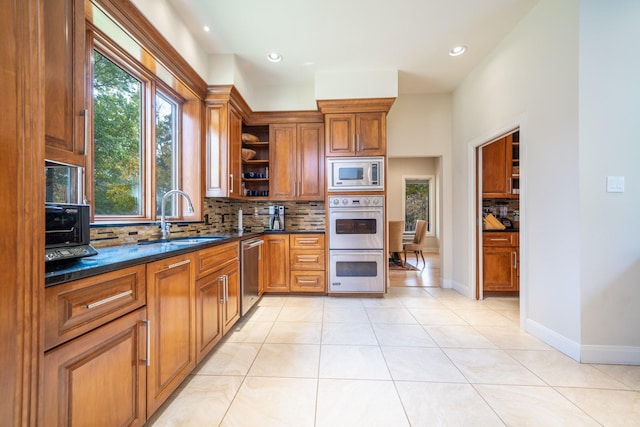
{"type": "Point", "coordinates": [355, 210]}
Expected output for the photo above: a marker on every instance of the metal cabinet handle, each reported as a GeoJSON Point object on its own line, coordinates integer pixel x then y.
{"type": "Point", "coordinates": [147, 361]}
{"type": "Point", "coordinates": [313, 282]}
{"type": "Point", "coordinates": [307, 259]}
{"type": "Point", "coordinates": [108, 299]}
{"type": "Point", "coordinates": [221, 282]}
{"type": "Point", "coordinates": [226, 289]}
{"type": "Point", "coordinates": [231, 183]}
{"type": "Point", "coordinates": [499, 240]}
{"type": "Point", "coordinates": [307, 241]}
{"type": "Point", "coordinates": [515, 259]}
{"type": "Point", "coordinates": [178, 264]}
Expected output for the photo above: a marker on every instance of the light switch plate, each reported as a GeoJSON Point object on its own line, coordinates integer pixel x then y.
{"type": "Point", "coordinates": [615, 184]}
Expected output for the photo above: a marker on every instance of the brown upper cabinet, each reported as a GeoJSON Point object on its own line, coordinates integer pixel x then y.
{"type": "Point", "coordinates": [66, 118]}
{"type": "Point", "coordinates": [297, 158]}
{"type": "Point", "coordinates": [501, 168]}
{"type": "Point", "coordinates": [356, 127]}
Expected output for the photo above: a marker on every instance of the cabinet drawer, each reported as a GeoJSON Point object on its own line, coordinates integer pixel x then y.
{"type": "Point", "coordinates": [500, 239]}
{"type": "Point", "coordinates": [306, 241]}
{"type": "Point", "coordinates": [307, 281]}
{"type": "Point", "coordinates": [212, 259]}
{"type": "Point", "coordinates": [74, 308]}
{"type": "Point", "coordinates": [306, 260]}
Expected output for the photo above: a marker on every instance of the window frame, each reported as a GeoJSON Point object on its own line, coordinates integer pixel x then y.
{"type": "Point", "coordinates": [431, 225]}
{"type": "Point", "coordinates": [151, 85]}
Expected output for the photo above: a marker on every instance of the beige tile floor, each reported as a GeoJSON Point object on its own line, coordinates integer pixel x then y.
{"type": "Point", "coordinates": [420, 356]}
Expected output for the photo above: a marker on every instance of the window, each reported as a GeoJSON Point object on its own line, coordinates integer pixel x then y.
{"type": "Point", "coordinates": [417, 202]}
{"type": "Point", "coordinates": [136, 135]}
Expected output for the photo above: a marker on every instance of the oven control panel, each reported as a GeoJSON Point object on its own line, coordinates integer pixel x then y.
{"type": "Point", "coordinates": [354, 201]}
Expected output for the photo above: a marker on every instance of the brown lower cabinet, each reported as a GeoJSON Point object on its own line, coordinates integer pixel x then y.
{"type": "Point", "coordinates": [99, 379]}
{"type": "Point", "coordinates": [294, 263]}
{"type": "Point", "coordinates": [500, 262]}
{"type": "Point", "coordinates": [112, 361]}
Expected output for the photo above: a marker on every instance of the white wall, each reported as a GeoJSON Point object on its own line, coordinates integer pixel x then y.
{"type": "Point", "coordinates": [610, 145]}
{"type": "Point", "coordinates": [530, 80]}
{"type": "Point", "coordinates": [163, 17]}
{"type": "Point", "coordinates": [421, 126]}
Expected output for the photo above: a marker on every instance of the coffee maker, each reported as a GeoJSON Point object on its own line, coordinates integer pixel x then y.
{"type": "Point", "coordinates": [276, 218]}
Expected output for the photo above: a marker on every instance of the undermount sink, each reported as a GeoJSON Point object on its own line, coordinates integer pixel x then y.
{"type": "Point", "coordinates": [183, 241]}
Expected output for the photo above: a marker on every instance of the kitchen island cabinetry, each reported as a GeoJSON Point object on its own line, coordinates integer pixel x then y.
{"type": "Point", "coordinates": [96, 334]}
{"type": "Point", "coordinates": [65, 119]}
{"type": "Point", "coordinates": [500, 262]}
{"type": "Point", "coordinates": [297, 156]}
{"type": "Point", "coordinates": [171, 311]}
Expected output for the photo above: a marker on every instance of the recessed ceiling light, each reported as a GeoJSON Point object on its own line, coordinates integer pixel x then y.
{"type": "Point", "coordinates": [458, 50]}
{"type": "Point", "coordinates": [274, 57]}
{"type": "Point", "coordinates": [207, 29]}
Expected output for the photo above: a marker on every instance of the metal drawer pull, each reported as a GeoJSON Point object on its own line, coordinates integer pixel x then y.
{"type": "Point", "coordinates": [313, 282]}
{"type": "Point", "coordinates": [308, 241]}
{"type": "Point", "coordinates": [178, 264]}
{"type": "Point", "coordinates": [308, 259]}
{"type": "Point", "coordinates": [499, 240]}
{"type": "Point", "coordinates": [147, 361]}
{"type": "Point", "coordinates": [109, 299]}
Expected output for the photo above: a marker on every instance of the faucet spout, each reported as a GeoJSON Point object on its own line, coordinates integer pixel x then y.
{"type": "Point", "coordinates": [164, 226]}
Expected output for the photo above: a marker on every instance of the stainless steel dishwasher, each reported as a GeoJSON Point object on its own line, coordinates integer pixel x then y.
{"type": "Point", "coordinates": [251, 265]}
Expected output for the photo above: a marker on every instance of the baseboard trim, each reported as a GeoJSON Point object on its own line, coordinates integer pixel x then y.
{"type": "Point", "coordinates": [554, 339]}
{"type": "Point", "coordinates": [611, 354]}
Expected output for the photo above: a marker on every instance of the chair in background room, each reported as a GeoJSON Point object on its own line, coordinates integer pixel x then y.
{"type": "Point", "coordinates": [396, 230]}
{"type": "Point", "coordinates": [418, 242]}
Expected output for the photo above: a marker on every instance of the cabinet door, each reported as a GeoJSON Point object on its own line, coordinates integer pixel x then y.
{"type": "Point", "coordinates": [171, 311]}
{"type": "Point", "coordinates": [235, 146]}
{"type": "Point", "coordinates": [64, 38]}
{"type": "Point", "coordinates": [282, 154]}
{"type": "Point", "coordinates": [340, 131]}
{"type": "Point", "coordinates": [98, 379]}
{"type": "Point", "coordinates": [276, 265]}
{"type": "Point", "coordinates": [496, 163]}
{"type": "Point", "coordinates": [208, 314]}
{"type": "Point", "coordinates": [310, 161]}
{"type": "Point", "coordinates": [499, 269]}
{"type": "Point", "coordinates": [371, 134]}
{"type": "Point", "coordinates": [217, 150]}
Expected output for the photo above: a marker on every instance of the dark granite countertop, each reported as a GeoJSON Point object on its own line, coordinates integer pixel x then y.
{"type": "Point", "coordinates": [117, 257]}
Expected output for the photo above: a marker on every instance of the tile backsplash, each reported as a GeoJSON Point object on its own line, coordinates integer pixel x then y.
{"type": "Point", "coordinates": [221, 216]}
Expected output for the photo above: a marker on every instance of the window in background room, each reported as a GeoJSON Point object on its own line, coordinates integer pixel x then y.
{"type": "Point", "coordinates": [416, 202]}
{"type": "Point", "coordinates": [166, 151]}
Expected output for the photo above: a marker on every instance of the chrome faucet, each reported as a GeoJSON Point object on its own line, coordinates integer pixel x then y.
{"type": "Point", "coordinates": [164, 225]}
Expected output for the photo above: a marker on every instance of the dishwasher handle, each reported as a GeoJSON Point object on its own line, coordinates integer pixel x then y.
{"type": "Point", "coordinates": [251, 243]}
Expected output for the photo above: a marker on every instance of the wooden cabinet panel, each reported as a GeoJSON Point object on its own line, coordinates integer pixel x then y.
{"type": "Point", "coordinates": [64, 37]}
{"type": "Point", "coordinates": [235, 144]}
{"type": "Point", "coordinates": [217, 150]}
{"type": "Point", "coordinates": [212, 259]}
{"type": "Point", "coordinates": [500, 261]}
{"type": "Point", "coordinates": [359, 134]}
{"type": "Point", "coordinates": [231, 306]}
{"type": "Point", "coordinates": [297, 161]}
{"type": "Point", "coordinates": [208, 314]}
{"type": "Point", "coordinates": [304, 259]}
{"type": "Point", "coordinates": [171, 311]}
{"type": "Point", "coordinates": [307, 281]}
{"type": "Point", "coordinates": [76, 307]}
{"type": "Point", "coordinates": [98, 379]}
{"type": "Point", "coordinates": [496, 168]}
{"type": "Point", "coordinates": [371, 134]}
{"type": "Point", "coordinates": [276, 264]}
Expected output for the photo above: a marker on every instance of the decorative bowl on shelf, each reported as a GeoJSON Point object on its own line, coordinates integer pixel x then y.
{"type": "Point", "coordinates": [248, 154]}
{"type": "Point", "coordinates": [247, 137]}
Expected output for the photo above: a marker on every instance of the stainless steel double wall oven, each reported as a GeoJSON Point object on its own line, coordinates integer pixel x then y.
{"type": "Point", "coordinates": [356, 244]}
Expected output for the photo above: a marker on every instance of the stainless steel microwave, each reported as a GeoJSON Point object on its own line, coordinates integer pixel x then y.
{"type": "Point", "coordinates": [355, 174]}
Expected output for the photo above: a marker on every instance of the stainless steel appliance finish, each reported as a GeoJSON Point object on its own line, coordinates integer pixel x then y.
{"type": "Point", "coordinates": [356, 222]}
{"type": "Point", "coordinates": [355, 174]}
{"type": "Point", "coordinates": [356, 244]}
{"type": "Point", "coordinates": [276, 218]}
{"type": "Point", "coordinates": [251, 265]}
{"type": "Point", "coordinates": [356, 271]}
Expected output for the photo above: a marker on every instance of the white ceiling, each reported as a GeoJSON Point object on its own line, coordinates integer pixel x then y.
{"type": "Point", "coordinates": [412, 36]}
